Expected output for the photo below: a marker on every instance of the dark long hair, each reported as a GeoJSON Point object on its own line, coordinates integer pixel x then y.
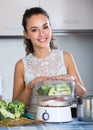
{"type": "Point", "coordinates": [28, 13]}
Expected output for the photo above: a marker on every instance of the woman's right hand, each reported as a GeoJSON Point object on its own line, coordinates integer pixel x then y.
{"type": "Point", "coordinates": [31, 84]}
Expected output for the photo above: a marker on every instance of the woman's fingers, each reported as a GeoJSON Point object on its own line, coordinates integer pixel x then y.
{"type": "Point", "coordinates": [64, 77]}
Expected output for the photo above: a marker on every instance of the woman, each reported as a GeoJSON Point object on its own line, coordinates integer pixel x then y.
{"type": "Point", "coordinates": [43, 60]}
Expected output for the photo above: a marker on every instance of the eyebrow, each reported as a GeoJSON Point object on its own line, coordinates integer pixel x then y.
{"type": "Point", "coordinates": [36, 26]}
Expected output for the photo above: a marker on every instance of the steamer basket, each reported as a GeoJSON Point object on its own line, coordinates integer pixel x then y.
{"type": "Point", "coordinates": [55, 92]}
{"type": "Point", "coordinates": [54, 96]}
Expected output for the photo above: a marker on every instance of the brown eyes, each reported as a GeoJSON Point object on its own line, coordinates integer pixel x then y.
{"type": "Point", "coordinates": [36, 29]}
{"type": "Point", "coordinates": [33, 30]}
{"type": "Point", "coordinates": [45, 27]}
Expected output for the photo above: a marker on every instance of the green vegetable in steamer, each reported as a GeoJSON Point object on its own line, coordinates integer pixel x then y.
{"type": "Point", "coordinates": [55, 89]}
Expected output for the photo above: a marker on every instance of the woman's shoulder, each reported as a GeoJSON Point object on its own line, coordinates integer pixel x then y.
{"type": "Point", "coordinates": [19, 68]}
{"type": "Point", "coordinates": [66, 53]}
{"type": "Point", "coordinates": [19, 63]}
{"type": "Point", "coordinates": [68, 58]}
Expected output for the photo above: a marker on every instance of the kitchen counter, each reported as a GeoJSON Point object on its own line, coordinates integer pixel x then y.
{"type": "Point", "coordinates": [73, 125]}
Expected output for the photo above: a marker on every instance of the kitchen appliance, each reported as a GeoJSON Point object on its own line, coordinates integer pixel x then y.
{"type": "Point", "coordinates": [54, 98]}
{"type": "Point", "coordinates": [85, 108]}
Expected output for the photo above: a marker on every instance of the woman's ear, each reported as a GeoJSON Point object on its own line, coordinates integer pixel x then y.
{"type": "Point", "coordinates": [26, 34]}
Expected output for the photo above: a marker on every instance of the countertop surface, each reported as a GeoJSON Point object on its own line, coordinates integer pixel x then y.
{"type": "Point", "coordinates": [73, 125]}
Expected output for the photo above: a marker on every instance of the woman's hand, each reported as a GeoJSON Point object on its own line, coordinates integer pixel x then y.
{"type": "Point", "coordinates": [64, 77]}
{"type": "Point", "coordinates": [31, 84]}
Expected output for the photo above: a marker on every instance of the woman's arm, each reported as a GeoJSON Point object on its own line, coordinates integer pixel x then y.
{"type": "Point", "coordinates": [20, 91]}
{"type": "Point", "coordinates": [72, 70]}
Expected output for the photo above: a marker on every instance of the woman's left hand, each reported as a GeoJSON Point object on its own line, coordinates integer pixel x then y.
{"type": "Point", "coordinates": [64, 77]}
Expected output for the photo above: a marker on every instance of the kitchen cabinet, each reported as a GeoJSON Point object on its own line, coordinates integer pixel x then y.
{"type": "Point", "coordinates": [54, 9]}
{"type": "Point", "coordinates": [69, 14]}
{"type": "Point", "coordinates": [64, 15]}
{"type": "Point", "coordinates": [11, 12]}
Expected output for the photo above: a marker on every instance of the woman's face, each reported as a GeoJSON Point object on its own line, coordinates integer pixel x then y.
{"type": "Point", "coordinates": [38, 31]}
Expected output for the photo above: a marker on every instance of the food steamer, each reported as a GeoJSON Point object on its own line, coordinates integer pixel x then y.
{"type": "Point", "coordinates": [54, 100]}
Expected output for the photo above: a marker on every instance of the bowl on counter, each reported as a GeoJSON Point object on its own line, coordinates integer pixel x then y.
{"type": "Point", "coordinates": [85, 108]}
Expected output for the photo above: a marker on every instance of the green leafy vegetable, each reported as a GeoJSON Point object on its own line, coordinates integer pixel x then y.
{"type": "Point", "coordinates": [17, 108]}
{"type": "Point", "coordinates": [5, 114]}
{"type": "Point", "coordinates": [14, 109]}
{"type": "Point", "coordinates": [55, 89]}
{"type": "Point", "coordinates": [3, 104]}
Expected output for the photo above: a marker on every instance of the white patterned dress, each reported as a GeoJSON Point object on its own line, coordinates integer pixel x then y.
{"type": "Point", "coordinates": [52, 65]}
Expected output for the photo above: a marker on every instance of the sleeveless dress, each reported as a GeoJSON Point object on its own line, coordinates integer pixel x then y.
{"type": "Point", "coordinates": [52, 65]}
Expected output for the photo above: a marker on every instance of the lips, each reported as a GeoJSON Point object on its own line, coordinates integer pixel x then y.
{"type": "Point", "coordinates": [42, 39]}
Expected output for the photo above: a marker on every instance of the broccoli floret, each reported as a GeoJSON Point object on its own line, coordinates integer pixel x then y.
{"type": "Point", "coordinates": [5, 114]}
{"type": "Point", "coordinates": [3, 104]}
{"type": "Point", "coordinates": [52, 91]}
{"type": "Point", "coordinates": [43, 90]}
{"type": "Point", "coordinates": [17, 108]}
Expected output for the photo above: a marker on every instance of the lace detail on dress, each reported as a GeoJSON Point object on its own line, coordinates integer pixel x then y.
{"type": "Point", "coordinates": [49, 66]}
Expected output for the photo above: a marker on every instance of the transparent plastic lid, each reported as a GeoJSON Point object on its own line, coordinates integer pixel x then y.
{"type": "Point", "coordinates": [54, 93]}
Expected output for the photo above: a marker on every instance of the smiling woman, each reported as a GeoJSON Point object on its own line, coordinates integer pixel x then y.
{"type": "Point", "coordinates": [34, 25]}
{"type": "Point", "coordinates": [43, 61]}
{"type": "Point", "coordinates": [39, 34]}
